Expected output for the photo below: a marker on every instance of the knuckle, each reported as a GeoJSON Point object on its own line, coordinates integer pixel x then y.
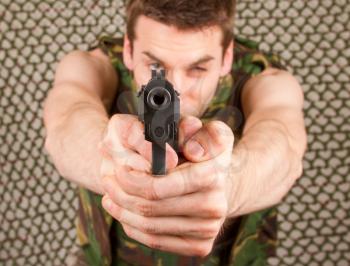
{"type": "Point", "coordinates": [222, 135]}
{"type": "Point", "coordinates": [216, 206]}
{"type": "Point", "coordinates": [150, 194]}
{"type": "Point", "coordinates": [149, 227]}
{"type": "Point", "coordinates": [203, 249]}
{"type": "Point", "coordinates": [149, 191]}
{"type": "Point", "coordinates": [127, 231]}
{"type": "Point", "coordinates": [115, 119]}
{"type": "Point", "coordinates": [223, 209]}
{"type": "Point", "coordinates": [154, 243]}
{"type": "Point", "coordinates": [112, 127]}
{"type": "Point", "coordinates": [208, 247]}
{"type": "Point", "coordinates": [179, 230]}
{"type": "Point", "coordinates": [209, 231]}
{"type": "Point", "coordinates": [201, 180]}
{"type": "Point", "coordinates": [216, 212]}
{"type": "Point", "coordinates": [115, 212]}
{"type": "Point", "coordinates": [207, 234]}
{"type": "Point", "coordinates": [145, 209]}
{"type": "Point", "coordinates": [216, 209]}
{"type": "Point", "coordinates": [221, 128]}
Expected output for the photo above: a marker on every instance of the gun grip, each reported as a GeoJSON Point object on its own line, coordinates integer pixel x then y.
{"type": "Point", "coordinates": [158, 159]}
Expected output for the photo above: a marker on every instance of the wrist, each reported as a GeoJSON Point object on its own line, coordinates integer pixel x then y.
{"type": "Point", "coordinates": [241, 171]}
{"type": "Point", "coordinates": [261, 174]}
{"type": "Point", "coordinates": [73, 147]}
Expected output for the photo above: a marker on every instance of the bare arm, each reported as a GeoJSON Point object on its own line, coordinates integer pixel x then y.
{"type": "Point", "coordinates": [269, 155]}
{"type": "Point", "coordinates": [75, 115]}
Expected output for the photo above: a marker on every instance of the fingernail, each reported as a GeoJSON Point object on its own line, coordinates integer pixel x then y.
{"type": "Point", "coordinates": [194, 148]}
{"type": "Point", "coordinates": [108, 203]}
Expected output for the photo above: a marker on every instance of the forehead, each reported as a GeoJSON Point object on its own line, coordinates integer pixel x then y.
{"type": "Point", "coordinates": [167, 40]}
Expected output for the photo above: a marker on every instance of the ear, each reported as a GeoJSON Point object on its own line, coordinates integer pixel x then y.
{"type": "Point", "coordinates": [227, 60]}
{"type": "Point", "coordinates": [127, 53]}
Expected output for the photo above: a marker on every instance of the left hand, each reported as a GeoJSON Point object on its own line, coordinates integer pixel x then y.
{"type": "Point", "coordinates": [183, 211]}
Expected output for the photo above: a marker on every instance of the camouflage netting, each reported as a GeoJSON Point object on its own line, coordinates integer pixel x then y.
{"type": "Point", "coordinates": [38, 207]}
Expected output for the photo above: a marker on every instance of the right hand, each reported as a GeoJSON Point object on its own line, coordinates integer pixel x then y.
{"type": "Point", "coordinates": [124, 144]}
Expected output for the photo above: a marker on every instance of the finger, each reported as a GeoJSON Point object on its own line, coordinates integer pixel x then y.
{"type": "Point", "coordinates": [210, 141]}
{"type": "Point", "coordinates": [193, 178]}
{"type": "Point", "coordinates": [120, 197]}
{"type": "Point", "coordinates": [119, 126]}
{"type": "Point", "coordinates": [136, 183]}
{"type": "Point", "coordinates": [136, 141]}
{"type": "Point", "coordinates": [180, 226]}
{"type": "Point", "coordinates": [188, 126]}
{"type": "Point", "coordinates": [117, 131]}
{"type": "Point", "coordinates": [175, 244]}
{"type": "Point", "coordinates": [199, 204]}
{"type": "Point", "coordinates": [204, 205]}
{"type": "Point", "coordinates": [122, 156]}
{"type": "Point", "coordinates": [107, 164]}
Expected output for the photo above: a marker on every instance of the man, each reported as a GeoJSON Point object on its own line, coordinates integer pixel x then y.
{"type": "Point", "coordinates": [198, 212]}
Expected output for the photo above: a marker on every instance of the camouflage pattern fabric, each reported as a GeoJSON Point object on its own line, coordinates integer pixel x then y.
{"type": "Point", "coordinates": [247, 240]}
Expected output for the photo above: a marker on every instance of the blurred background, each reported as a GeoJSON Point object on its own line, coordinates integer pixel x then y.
{"type": "Point", "coordinates": [38, 207]}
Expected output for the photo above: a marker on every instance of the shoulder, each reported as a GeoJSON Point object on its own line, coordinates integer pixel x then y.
{"type": "Point", "coordinates": [250, 60]}
{"type": "Point", "coordinates": [272, 88]}
{"type": "Point", "coordinates": [110, 46]}
{"type": "Point", "coordinates": [262, 81]}
{"type": "Point", "coordinates": [267, 82]}
{"type": "Point", "coordinates": [78, 63]}
{"type": "Point", "coordinates": [89, 70]}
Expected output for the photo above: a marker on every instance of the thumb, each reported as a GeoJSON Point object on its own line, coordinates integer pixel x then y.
{"type": "Point", "coordinates": [188, 126]}
{"type": "Point", "coordinates": [210, 141]}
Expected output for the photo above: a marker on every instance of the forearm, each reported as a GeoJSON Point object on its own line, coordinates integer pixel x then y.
{"type": "Point", "coordinates": [75, 121]}
{"type": "Point", "coordinates": [264, 167]}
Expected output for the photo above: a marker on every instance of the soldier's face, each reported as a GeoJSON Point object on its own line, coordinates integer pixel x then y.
{"type": "Point", "coordinates": [193, 60]}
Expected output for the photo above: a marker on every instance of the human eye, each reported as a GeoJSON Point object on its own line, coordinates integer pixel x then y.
{"type": "Point", "coordinates": [197, 71]}
{"type": "Point", "coordinates": [154, 65]}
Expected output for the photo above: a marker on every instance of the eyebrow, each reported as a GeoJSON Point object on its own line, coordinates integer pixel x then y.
{"type": "Point", "coordinates": [201, 60]}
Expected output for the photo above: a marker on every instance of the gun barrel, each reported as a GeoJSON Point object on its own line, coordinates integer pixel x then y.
{"type": "Point", "coordinates": [159, 110]}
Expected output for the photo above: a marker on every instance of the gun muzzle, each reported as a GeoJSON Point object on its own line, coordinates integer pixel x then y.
{"type": "Point", "coordinates": [159, 110]}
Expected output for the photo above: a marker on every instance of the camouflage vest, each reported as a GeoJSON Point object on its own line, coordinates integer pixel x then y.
{"type": "Point", "coordinates": [247, 240]}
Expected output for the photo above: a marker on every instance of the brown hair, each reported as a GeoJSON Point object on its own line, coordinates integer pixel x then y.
{"type": "Point", "coordinates": [184, 15]}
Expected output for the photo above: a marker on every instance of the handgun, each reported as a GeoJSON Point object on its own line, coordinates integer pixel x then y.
{"type": "Point", "coordinates": [159, 110]}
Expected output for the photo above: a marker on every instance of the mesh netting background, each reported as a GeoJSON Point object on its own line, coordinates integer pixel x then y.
{"type": "Point", "coordinates": [38, 207]}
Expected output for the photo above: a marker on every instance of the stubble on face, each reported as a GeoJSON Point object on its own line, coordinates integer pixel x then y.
{"type": "Point", "coordinates": [192, 59]}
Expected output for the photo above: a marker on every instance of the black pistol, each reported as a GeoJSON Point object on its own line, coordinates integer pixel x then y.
{"type": "Point", "coordinates": [159, 110]}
